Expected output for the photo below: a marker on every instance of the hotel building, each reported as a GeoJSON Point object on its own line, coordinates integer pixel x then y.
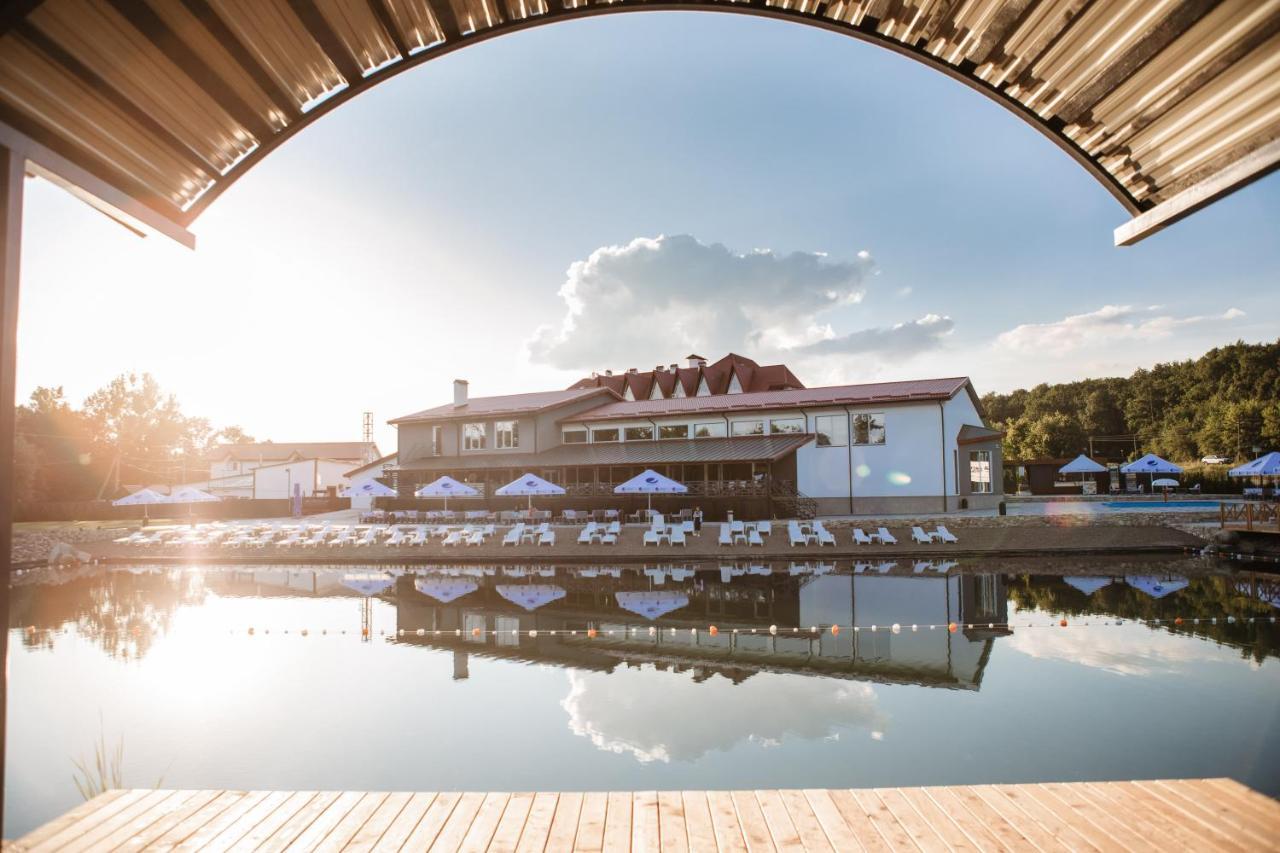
{"type": "Point", "coordinates": [741, 436]}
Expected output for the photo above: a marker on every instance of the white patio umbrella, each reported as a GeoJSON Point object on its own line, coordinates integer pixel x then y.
{"type": "Point", "coordinates": [1156, 587]}
{"type": "Point", "coordinates": [368, 488]}
{"type": "Point", "coordinates": [1165, 482]}
{"type": "Point", "coordinates": [143, 498]}
{"type": "Point", "coordinates": [1152, 465]}
{"type": "Point", "coordinates": [529, 485]}
{"type": "Point", "coordinates": [1088, 585]}
{"type": "Point", "coordinates": [530, 596]}
{"type": "Point", "coordinates": [190, 495]}
{"type": "Point", "coordinates": [1082, 465]}
{"type": "Point", "coordinates": [445, 590]}
{"type": "Point", "coordinates": [650, 482]}
{"type": "Point", "coordinates": [652, 604]}
{"type": "Point", "coordinates": [368, 584]}
{"type": "Point", "coordinates": [446, 487]}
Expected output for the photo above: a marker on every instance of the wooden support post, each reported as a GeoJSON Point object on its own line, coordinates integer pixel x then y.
{"type": "Point", "coordinates": [12, 174]}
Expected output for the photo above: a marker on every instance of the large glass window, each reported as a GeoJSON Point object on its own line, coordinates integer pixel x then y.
{"type": "Point", "coordinates": [673, 431]}
{"type": "Point", "coordinates": [786, 425]}
{"type": "Point", "coordinates": [868, 429]}
{"type": "Point", "coordinates": [506, 434]}
{"type": "Point", "coordinates": [473, 436]}
{"type": "Point", "coordinates": [639, 433]}
{"type": "Point", "coordinates": [574, 436]}
{"type": "Point", "coordinates": [980, 472]}
{"type": "Point", "coordinates": [748, 427]}
{"type": "Point", "coordinates": [711, 430]}
{"type": "Point", "coordinates": [833, 430]}
{"type": "Point", "coordinates": [437, 441]}
{"type": "Point", "coordinates": [609, 434]}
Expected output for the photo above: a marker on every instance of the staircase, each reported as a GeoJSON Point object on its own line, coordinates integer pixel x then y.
{"type": "Point", "coordinates": [790, 502]}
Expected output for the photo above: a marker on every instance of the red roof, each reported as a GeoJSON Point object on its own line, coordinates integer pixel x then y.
{"type": "Point", "coordinates": [751, 377]}
{"type": "Point", "coordinates": [834, 395]}
{"type": "Point", "coordinates": [509, 404]}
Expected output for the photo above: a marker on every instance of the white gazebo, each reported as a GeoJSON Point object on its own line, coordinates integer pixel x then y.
{"type": "Point", "coordinates": [446, 487]}
{"type": "Point", "coordinates": [530, 486]}
{"type": "Point", "coordinates": [1152, 465]}
{"type": "Point", "coordinates": [650, 482]}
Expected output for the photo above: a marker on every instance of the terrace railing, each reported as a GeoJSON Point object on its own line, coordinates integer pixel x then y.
{"type": "Point", "coordinates": [1250, 515]}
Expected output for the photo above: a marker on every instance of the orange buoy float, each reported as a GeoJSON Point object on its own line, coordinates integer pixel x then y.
{"type": "Point", "coordinates": [1062, 623]}
{"type": "Point", "coordinates": [952, 627]}
{"type": "Point", "coordinates": [713, 630]}
{"type": "Point", "coordinates": [475, 632]}
{"type": "Point", "coordinates": [1178, 621]}
{"type": "Point", "coordinates": [835, 630]}
{"type": "Point", "coordinates": [591, 632]}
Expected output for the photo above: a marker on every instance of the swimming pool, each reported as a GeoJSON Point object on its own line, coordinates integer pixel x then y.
{"type": "Point", "coordinates": [1169, 505]}
{"type": "Point", "coordinates": [485, 677]}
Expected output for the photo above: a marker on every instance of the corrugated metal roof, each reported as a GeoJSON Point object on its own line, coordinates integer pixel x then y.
{"type": "Point", "coordinates": [509, 404]}
{"type": "Point", "coordinates": [834, 395]}
{"type": "Point", "coordinates": [755, 448]}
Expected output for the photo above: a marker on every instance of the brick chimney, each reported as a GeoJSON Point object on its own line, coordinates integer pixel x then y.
{"type": "Point", "coordinates": [459, 393]}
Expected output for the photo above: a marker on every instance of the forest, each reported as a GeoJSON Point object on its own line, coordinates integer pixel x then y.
{"type": "Point", "coordinates": [1225, 402]}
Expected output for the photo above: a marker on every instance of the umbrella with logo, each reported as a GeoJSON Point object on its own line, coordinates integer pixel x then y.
{"type": "Point", "coordinates": [1156, 587]}
{"type": "Point", "coordinates": [652, 604]}
{"type": "Point", "coordinates": [368, 489]}
{"type": "Point", "coordinates": [530, 596]}
{"type": "Point", "coordinates": [368, 583]}
{"type": "Point", "coordinates": [1264, 466]}
{"type": "Point", "coordinates": [143, 498]}
{"type": "Point", "coordinates": [446, 487]}
{"type": "Point", "coordinates": [530, 486]}
{"type": "Point", "coordinates": [649, 482]}
{"type": "Point", "coordinates": [1151, 465]}
{"type": "Point", "coordinates": [445, 590]}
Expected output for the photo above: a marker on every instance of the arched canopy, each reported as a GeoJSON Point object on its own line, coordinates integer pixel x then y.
{"type": "Point", "coordinates": [154, 107]}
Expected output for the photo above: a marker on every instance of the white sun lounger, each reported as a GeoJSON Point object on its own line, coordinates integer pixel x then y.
{"type": "Point", "coordinates": [650, 537]}
{"type": "Point", "coordinates": [677, 536]}
{"type": "Point", "coordinates": [513, 536]}
{"type": "Point", "coordinates": [588, 533]}
{"type": "Point", "coordinates": [475, 537]}
{"type": "Point", "coordinates": [797, 536]}
{"type": "Point", "coordinates": [547, 536]}
{"type": "Point", "coordinates": [945, 535]}
{"type": "Point", "coordinates": [824, 535]}
{"type": "Point", "coordinates": [454, 538]}
{"type": "Point", "coordinates": [860, 537]}
{"type": "Point", "coordinates": [753, 538]}
{"type": "Point", "coordinates": [918, 535]}
{"type": "Point", "coordinates": [885, 536]}
{"type": "Point", "coordinates": [726, 534]}
{"type": "Point", "coordinates": [765, 528]}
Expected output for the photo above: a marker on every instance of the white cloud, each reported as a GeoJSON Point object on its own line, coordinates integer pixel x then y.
{"type": "Point", "coordinates": [627, 712]}
{"type": "Point", "coordinates": [654, 298]}
{"type": "Point", "coordinates": [1131, 650]}
{"type": "Point", "coordinates": [1110, 324]}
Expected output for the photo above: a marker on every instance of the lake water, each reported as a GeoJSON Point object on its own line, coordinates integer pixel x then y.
{"type": "Point", "coordinates": [429, 678]}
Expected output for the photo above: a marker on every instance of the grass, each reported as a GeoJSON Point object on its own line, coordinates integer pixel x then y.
{"type": "Point", "coordinates": [104, 772]}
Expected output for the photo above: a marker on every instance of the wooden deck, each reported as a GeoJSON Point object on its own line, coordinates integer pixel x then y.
{"type": "Point", "coordinates": [1198, 814]}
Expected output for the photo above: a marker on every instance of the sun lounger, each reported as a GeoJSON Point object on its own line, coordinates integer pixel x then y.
{"type": "Point", "coordinates": [765, 528]}
{"type": "Point", "coordinates": [453, 539]}
{"type": "Point", "coordinates": [650, 537]}
{"type": "Point", "coordinates": [824, 535]}
{"type": "Point", "coordinates": [589, 532]}
{"type": "Point", "coordinates": [370, 537]}
{"type": "Point", "coordinates": [131, 538]}
{"type": "Point", "coordinates": [397, 537]}
{"type": "Point", "coordinates": [860, 538]}
{"type": "Point", "coordinates": [885, 567]}
{"type": "Point", "coordinates": [753, 538]}
{"type": "Point", "coordinates": [726, 535]}
{"type": "Point", "coordinates": [417, 536]}
{"type": "Point", "coordinates": [547, 536]}
{"type": "Point", "coordinates": [796, 535]}
{"type": "Point", "coordinates": [513, 536]}
{"type": "Point", "coordinates": [918, 535]}
{"type": "Point", "coordinates": [316, 538]}
{"type": "Point", "coordinates": [475, 537]}
{"type": "Point", "coordinates": [609, 539]}
{"type": "Point", "coordinates": [677, 536]}
{"type": "Point", "coordinates": [945, 535]}
{"type": "Point", "coordinates": [885, 536]}
{"type": "Point", "coordinates": [921, 566]}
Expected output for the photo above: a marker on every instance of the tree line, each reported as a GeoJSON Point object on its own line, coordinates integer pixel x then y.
{"type": "Point", "coordinates": [1225, 402]}
{"type": "Point", "coordinates": [127, 433]}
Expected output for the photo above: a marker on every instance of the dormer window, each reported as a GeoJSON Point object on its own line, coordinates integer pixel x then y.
{"type": "Point", "coordinates": [703, 389]}
{"type": "Point", "coordinates": [679, 392]}
{"type": "Point", "coordinates": [628, 396]}
{"type": "Point", "coordinates": [656, 392]}
{"type": "Point", "coordinates": [735, 387]}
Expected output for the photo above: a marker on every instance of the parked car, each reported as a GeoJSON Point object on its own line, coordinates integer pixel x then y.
{"type": "Point", "coordinates": [1216, 460]}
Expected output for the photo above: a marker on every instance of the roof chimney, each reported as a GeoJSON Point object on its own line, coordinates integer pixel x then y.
{"type": "Point", "coordinates": [674, 367]}
{"type": "Point", "coordinates": [632, 370]}
{"type": "Point", "coordinates": [459, 393]}
{"type": "Point", "coordinates": [696, 361]}
{"type": "Point", "coordinates": [608, 373]}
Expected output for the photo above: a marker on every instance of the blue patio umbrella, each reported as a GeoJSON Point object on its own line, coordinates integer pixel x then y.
{"type": "Point", "coordinates": [1267, 465]}
{"type": "Point", "coordinates": [1152, 465]}
{"type": "Point", "coordinates": [446, 487]}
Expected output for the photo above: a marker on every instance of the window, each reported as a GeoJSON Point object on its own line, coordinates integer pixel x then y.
{"type": "Point", "coordinates": [473, 436]}
{"type": "Point", "coordinates": [506, 435]}
{"type": "Point", "coordinates": [574, 436]}
{"type": "Point", "coordinates": [610, 434]}
{"type": "Point", "coordinates": [980, 472]}
{"type": "Point", "coordinates": [868, 429]}
{"type": "Point", "coordinates": [833, 430]}
{"type": "Point", "coordinates": [673, 431]}
{"type": "Point", "coordinates": [712, 430]}
{"type": "Point", "coordinates": [437, 441]}
{"type": "Point", "coordinates": [748, 427]}
{"type": "Point", "coordinates": [785, 425]}
{"type": "Point", "coordinates": [640, 433]}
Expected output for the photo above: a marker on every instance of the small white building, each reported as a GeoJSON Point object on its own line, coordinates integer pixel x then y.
{"type": "Point", "coordinates": [228, 460]}
{"type": "Point", "coordinates": [269, 470]}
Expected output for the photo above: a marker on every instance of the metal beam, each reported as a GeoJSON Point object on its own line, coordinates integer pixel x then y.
{"type": "Point", "coordinates": [156, 31]}
{"type": "Point", "coordinates": [216, 27]}
{"type": "Point", "coordinates": [121, 204]}
{"type": "Point", "coordinates": [11, 178]}
{"type": "Point", "coordinates": [1258, 163]}
{"type": "Point", "coordinates": [442, 11]}
{"type": "Point", "coordinates": [385, 18]}
{"type": "Point", "coordinates": [333, 46]}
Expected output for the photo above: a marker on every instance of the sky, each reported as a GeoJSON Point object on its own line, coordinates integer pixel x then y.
{"type": "Point", "coordinates": [621, 191]}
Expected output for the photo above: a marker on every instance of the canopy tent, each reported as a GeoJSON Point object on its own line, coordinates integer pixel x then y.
{"type": "Point", "coordinates": [190, 495]}
{"type": "Point", "coordinates": [652, 604]}
{"type": "Point", "coordinates": [650, 482]}
{"type": "Point", "coordinates": [368, 488]}
{"type": "Point", "coordinates": [446, 487]}
{"type": "Point", "coordinates": [368, 584]}
{"type": "Point", "coordinates": [1088, 585]}
{"type": "Point", "coordinates": [445, 590]}
{"type": "Point", "coordinates": [1267, 465]}
{"type": "Point", "coordinates": [1151, 465]}
{"type": "Point", "coordinates": [529, 485]}
{"type": "Point", "coordinates": [530, 596]}
{"type": "Point", "coordinates": [1082, 465]}
{"type": "Point", "coordinates": [1156, 587]}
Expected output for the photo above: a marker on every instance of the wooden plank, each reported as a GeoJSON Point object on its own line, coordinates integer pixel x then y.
{"type": "Point", "coordinates": [1083, 803]}
{"type": "Point", "coordinates": [132, 814]}
{"type": "Point", "coordinates": [537, 827]}
{"type": "Point", "coordinates": [857, 820]}
{"type": "Point", "coordinates": [446, 834]}
{"type": "Point", "coordinates": [1218, 819]}
{"type": "Point", "coordinates": [590, 833]}
{"type": "Point", "coordinates": [644, 821]}
{"type": "Point", "coordinates": [349, 827]}
{"type": "Point", "coordinates": [697, 821]}
{"type": "Point", "coordinates": [995, 823]}
{"type": "Point", "coordinates": [1078, 835]}
{"type": "Point", "coordinates": [1264, 808]}
{"type": "Point", "coordinates": [98, 807]}
{"type": "Point", "coordinates": [279, 817]}
{"type": "Point", "coordinates": [882, 819]}
{"type": "Point", "coordinates": [617, 822]}
{"type": "Point", "coordinates": [834, 826]}
{"type": "Point", "coordinates": [406, 822]}
{"type": "Point", "coordinates": [942, 825]}
{"type": "Point", "coordinates": [564, 823]}
{"type": "Point", "coordinates": [755, 831]}
{"type": "Point", "coordinates": [316, 832]}
{"type": "Point", "coordinates": [783, 831]}
{"type": "Point", "coordinates": [1223, 805]}
{"type": "Point", "coordinates": [195, 805]}
{"type": "Point", "coordinates": [255, 802]}
{"type": "Point", "coordinates": [905, 813]}
{"type": "Point", "coordinates": [724, 819]}
{"type": "Point", "coordinates": [955, 810]}
{"type": "Point", "coordinates": [1158, 819]}
{"type": "Point", "coordinates": [485, 823]}
{"type": "Point", "coordinates": [671, 822]}
{"type": "Point", "coordinates": [192, 823]}
{"type": "Point", "coordinates": [511, 824]}
{"type": "Point", "coordinates": [812, 836]}
{"type": "Point", "coordinates": [1027, 826]}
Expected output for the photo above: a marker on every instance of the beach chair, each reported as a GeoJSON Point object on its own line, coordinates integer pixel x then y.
{"type": "Point", "coordinates": [918, 535]}
{"type": "Point", "coordinates": [416, 536]}
{"type": "Point", "coordinates": [454, 538]}
{"type": "Point", "coordinates": [369, 538]}
{"type": "Point", "coordinates": [475, 537]}
{"type": "Point", "coordinates": [687, 527]}
{"type": "Point", "coordinates": [796, 535]}
{"type": "Point", "coordinates": [294, 538]}
{"type": "Point", "coordinates": [609, 537]}
{"type": "Point", "coordinates": [677, 535]}
{"type": "Point", "coordinates": [397, 537]}
{"type": "Point", "coordinates": [130, 539]}
{"type": "Point", "coordinates": [588, 533]}
{"type": "Point", "coordinates": [513, 536]}
{"type": "Point", "coordinates": [824, 535]}
{"type": "Point", "coordinates": [945, 535]}
{"type": "Point", "coordinates": [860, 537]}
{"type": "Point", "coordinates": [921, 566]}
{"type": "Point", "coordinates": [765, 528]}
{"type": "Point", "coordinates": [885, 537]}
{"type": "Point", "coordinates": [546, 536]}
{"type": "Point", "coordinates": [753, 537]}
{"type": "Point", "coordinates": [885, 567]}
{"type": "Point", "coordinates": [650, 537]}
{"type": "Point", "coordinates": [316, 538]}
{"type": "Point", "coordinates": [726, 535]}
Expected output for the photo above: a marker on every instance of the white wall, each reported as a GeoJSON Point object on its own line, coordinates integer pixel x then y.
{"type": "Point", "coordinates": [315, 475]}
{"type": "Point", "coordinates": [908, 464]}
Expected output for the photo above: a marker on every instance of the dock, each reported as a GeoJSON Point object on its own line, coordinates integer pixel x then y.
{"type": "Point", "coordinates": [1188, 814]}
